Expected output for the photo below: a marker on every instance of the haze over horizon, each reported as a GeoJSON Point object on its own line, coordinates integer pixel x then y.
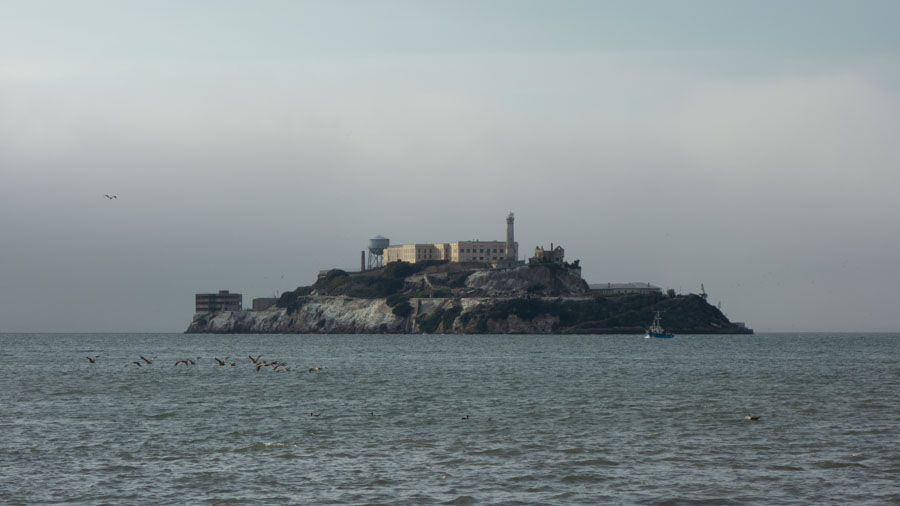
{"type": "Point", "coordinates": [748, 146]}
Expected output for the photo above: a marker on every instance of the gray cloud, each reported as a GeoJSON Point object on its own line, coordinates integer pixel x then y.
{"type": "Point", "coordinates": [773, 190]}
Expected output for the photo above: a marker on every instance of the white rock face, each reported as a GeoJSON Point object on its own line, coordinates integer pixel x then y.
{"type": "Point", "coordinates": [322, 315]}
{"type": "Point", "coordinates": [511, 282]}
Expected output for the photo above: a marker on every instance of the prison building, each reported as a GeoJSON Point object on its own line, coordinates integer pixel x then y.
{"type": "Point", "coordinates": [494, 252]}
{"type": "Point", "coordinates": [462, 251]}
{"type": "Point", "coordinates": [222, 301]}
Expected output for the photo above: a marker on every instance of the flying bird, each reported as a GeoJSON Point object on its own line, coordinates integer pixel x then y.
{"type": "Point", "coordinates": [110, 197]}
{"type": "Point", "coordinates": [94, 359]}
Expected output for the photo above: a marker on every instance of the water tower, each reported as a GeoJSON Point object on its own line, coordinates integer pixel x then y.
{"type": "Point", "coordinates": [377, 245]}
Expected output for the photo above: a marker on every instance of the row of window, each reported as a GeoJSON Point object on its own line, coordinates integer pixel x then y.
{"type": "Point", "coordinates": [481, 250]}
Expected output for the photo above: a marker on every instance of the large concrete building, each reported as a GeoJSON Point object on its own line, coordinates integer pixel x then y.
{"type": "Point", "coordinates": [222, 301]}
{"type": "Point", "coordinates": [624, 288]}
{"type": "Point", "coordinates": [495, 252]}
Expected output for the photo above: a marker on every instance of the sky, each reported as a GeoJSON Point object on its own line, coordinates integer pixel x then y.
{"type": "Point", "coordinates": [749, 146]}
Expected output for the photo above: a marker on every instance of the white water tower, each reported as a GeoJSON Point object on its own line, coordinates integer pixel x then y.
{"type": "Point", "coordinates": [377, 246]}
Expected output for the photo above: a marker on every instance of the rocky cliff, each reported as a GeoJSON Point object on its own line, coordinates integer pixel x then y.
{"type": "Point", "coordinates": [449, 298]}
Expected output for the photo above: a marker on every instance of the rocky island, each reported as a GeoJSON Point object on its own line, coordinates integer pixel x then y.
{"type": "Point", "coordinates": [466, 298]}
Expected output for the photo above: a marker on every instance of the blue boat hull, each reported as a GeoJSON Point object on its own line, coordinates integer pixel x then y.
{"type": "Point", "coordinates": [659, 335]}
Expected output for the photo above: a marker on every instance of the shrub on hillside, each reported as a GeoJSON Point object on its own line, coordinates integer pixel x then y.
{"type": "Point", "coordinates": [403, 309]}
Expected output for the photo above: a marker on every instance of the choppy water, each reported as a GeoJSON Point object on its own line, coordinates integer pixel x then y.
{"type": "Point", "coordinates": [551, 419]}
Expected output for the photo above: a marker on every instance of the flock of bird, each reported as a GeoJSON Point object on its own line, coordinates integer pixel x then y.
{"type": "Point", "coordinates": [257, 362]}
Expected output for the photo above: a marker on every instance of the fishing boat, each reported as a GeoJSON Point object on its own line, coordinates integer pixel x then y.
{"type": "Point", "coordinates": [656, 329]}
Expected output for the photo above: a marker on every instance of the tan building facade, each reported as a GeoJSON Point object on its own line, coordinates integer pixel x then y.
{"type": "Point", "coordinates": [462, 251]}
{"type": "Point", "coordinates": [499, 253]}
{"type": "Point", "coordinates": [553, 255]}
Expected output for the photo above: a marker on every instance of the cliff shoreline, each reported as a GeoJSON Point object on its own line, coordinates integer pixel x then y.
{"type": "Point", "coordinates": [453, 298]}
{"type": "Point", "coordinates": [347, 315]}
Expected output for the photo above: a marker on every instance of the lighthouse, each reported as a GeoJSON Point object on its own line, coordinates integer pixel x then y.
{"type": "Point", "coordinates": [511, 254]}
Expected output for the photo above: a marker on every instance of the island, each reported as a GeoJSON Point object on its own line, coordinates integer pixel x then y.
{"type": "Point", "coordinates": [438, 296]}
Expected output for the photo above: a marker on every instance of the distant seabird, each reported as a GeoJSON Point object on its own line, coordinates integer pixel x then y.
{"type": "Point", "coordinates": [110, 197]}
{"type": "Point", "coordinates": [135, 362]}
{"type": "Point", "coordinates": [314, 414]}
{"type": "Point", "coordinates": [148, 360]}
{"type": "Point", "coordinates": [92, 360]}
{"type": "Point", "coordinates": [751, 418]}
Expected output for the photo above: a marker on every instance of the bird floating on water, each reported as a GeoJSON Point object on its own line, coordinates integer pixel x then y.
{"type": "Point", "coordinates": [752, 418]}
{"type": "Point", "coordinates": [94, 359]}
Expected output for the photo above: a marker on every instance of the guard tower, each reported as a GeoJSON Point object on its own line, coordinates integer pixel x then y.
{"type": "Point", "coordinates": [377, 245]}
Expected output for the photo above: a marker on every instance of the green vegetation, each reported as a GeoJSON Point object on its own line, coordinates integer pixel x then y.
{"type": "Point", "coordinates": [625, 312]}
{"type": "Point", "coordinates": [438, 318]}
{"type": "Point", "coordinates": [403, 309]}
{"type": "Point", "coordinates": [398, 269]}
{"type": "Point", "coordinates": [533, 289]}
{"type": "Point", "coordinates": [524, 309]}
{"type": "Point", "coordinates": [376, 284]}
{"type": "Point", "coordinates": [338, 282]}
{"type": "Point", "coordinates": [396, 299]}
{"type": "Point", "coordinates": [292, 301]}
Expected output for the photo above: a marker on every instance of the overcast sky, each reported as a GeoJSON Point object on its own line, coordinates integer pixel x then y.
{"type": "Point", "coordinates": [750, 146]}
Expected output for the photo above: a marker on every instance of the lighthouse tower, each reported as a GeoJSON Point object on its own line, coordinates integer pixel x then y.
{"type": "Point", "coordinates": [511, 254]}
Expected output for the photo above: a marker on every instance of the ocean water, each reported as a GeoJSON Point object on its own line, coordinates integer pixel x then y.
{"type": "Point", "coordinates": [398, 419]}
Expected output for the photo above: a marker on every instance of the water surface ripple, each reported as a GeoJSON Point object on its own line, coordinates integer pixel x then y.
{"type": "Point", "coordinates": [451, 419]}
